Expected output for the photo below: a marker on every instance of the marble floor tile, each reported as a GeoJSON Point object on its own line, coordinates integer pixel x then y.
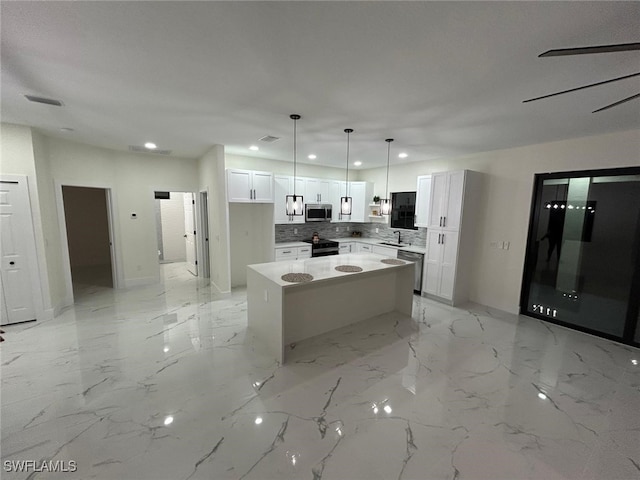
{"type": "Point", "coordinates": [165, 382]}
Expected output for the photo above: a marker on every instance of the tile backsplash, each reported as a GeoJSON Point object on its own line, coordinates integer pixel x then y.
{"type": "Point", "coordinates": [285, 232]}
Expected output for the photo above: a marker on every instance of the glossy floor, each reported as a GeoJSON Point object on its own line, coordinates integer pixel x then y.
{"type": "Point", "coordinates": [163, 382]}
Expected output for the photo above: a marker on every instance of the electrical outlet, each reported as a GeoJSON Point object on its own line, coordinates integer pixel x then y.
{"type": "Point", "coordinates": [348, 229]}
{"type": "Point", "coordinates": [295, 231]}
{"type": "Point", "coordinates": [377, 230]}
{"type": "Point", "coordinates": [337, 229]}
{"type": "Point", "coordinates": [507, 245]}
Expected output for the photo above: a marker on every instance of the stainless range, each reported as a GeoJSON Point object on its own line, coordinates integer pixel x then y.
{"type": "Point", "coordinates": [323, 248]}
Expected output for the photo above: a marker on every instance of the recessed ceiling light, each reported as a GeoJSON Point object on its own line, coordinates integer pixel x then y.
{"type": "Point", "coordinates": [150, 145]}
{"type": "Point", "coordinates": [254, 148]}
{"type": "Point", "coordinates": [358, 163]}
{"type": "Point", "coordinates": [403, 155]}
{"type": "Point", "coordinates": [312, 157]}
{"type": "Point", "coordinates": [66, 129]}
{"type": "Point", "coordinates": [168, 420]}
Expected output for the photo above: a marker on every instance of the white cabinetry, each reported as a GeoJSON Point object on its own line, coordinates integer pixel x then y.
{"type": "Point", "coordinates": [386, 251]}
{"type": "Point", "coordinates": [440, 263]}
{"type": "Point", "coordinates": [423, 200]}
{"type": "Point", "coordinates": [451, 235]}
{"type": "Point", "coordinates": [446, 200]}
{"type": "Point", "coordinates": [248, 186]}
{"type": "Point", "coordinates": [360, 193]}
{"type": "Point", "coordinates": [363, 247]}
{"type": "Point", "coordinates": [292, 253]}
{"type": "Point", "coordinates": [317, 191]}
{"type": "Point", "coordinates": [283, 186]}
{"type": "Point", "coordinates": [345, 247]}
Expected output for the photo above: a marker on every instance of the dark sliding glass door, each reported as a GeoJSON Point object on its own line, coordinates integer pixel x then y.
{"type": "Point", "coordinates": [582, 263]}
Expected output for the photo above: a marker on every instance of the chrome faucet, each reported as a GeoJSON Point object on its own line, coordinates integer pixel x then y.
{"type": "Point", "coordinates": [398, 232]}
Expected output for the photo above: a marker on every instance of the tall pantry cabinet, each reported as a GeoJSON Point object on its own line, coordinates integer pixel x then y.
{"type": "Point", "coordinates": [451, 230]}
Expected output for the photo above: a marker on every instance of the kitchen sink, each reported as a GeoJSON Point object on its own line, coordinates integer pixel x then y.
{"type": "Point", "coordinates": [394, 244]}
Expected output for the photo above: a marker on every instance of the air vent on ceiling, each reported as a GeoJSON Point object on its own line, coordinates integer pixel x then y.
{"type": "Point", "coordinates": [136, 148]}
{"type": "Point", "coordinates": [46, 101]}
{"type": "Point", "coordinates": [269, 139]}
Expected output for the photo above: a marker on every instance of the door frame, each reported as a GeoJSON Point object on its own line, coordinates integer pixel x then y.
{"type": "Point", "coordinates": [529, 268]}
{"type": "Point", "coordinates": [116, 261]}
{"type": "Point", "coordinates": [202, 226]}
{"type": "Point", "coordinates": [31, 250]}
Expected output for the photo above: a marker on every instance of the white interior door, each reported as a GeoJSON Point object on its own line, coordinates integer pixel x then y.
{"type": "Point", "coordinates": [15, 227]}
{"type": "Point", "coordinates": [189, 233]}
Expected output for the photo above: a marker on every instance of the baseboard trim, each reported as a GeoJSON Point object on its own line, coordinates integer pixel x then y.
{"type": "Point", "coordinates": [139, 281]}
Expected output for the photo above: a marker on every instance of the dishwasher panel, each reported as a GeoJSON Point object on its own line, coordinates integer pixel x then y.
{"type": "Point", "coordinates": [418, 259]}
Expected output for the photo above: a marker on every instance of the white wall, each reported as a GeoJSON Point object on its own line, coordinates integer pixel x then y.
{"type": "Point", "coordinates": [286, 168]}
{"type": "Point", "coordinates": [17, 157]}
{"type": "Point", "coordinates": [211, 176]}
{"type": "Point", "coordinates": [133, 179]}
{"type": "Point", "coordinates": [172, 215]}
{"type": "Point", "coordinates": [507, 186]}
{"type": "Point", "coordinates": [251, 234]}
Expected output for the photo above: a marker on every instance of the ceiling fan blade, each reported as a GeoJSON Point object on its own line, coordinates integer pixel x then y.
{"type": "Point", "coordinates": [617, 103]}
{"type": "Point", "coordinates": [582, 87]}
{"type": "Point", "coordinates": [622, 47]}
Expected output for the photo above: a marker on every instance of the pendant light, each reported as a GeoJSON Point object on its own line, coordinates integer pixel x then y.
{"type": "Point", "coordinates": [346, 201]}
{"type": "Point", "coordinates": [385, 203]}
{"type": "Point", "coordinates": [294, 202]}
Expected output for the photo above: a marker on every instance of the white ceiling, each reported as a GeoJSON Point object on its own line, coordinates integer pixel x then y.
{"type": "Point", "coordinates": [443, 79]}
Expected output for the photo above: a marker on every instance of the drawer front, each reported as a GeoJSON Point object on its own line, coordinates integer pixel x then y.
{"type": "Point", "coordinates": [304, 252]}
{"type": "Point", "coordinates": [363, 247]}
{"type": "Point", "coordinates": [344, 248]}
{"type": "Point", "coordinates": [286, 253]}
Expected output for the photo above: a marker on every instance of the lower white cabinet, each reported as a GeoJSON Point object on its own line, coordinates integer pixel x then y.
{"type": "Point", "coordinates": [364, 247]}
{"type": "Point", "coordinates": [386, 251]}
{"type": "Point", "coordinates": [440, 263]}
{"type": "Point", "coordinates": [292, 253]}
{"type": "Point", "coordinates": [345, 247]}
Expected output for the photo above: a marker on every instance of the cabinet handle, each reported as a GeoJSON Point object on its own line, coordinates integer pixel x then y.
{"type": "Point", "coordinates": [443, 239]}
{"type": "Point", "coordinates": [440, 224]}
{"type": "Point", "coordinates": [286, 251]}
{"type": "Point", "coordinates": [439, 237]}
{"type": "Point", "coordinates": [444, 221]}
{"type": "Point", "coordinates": [254, 194]}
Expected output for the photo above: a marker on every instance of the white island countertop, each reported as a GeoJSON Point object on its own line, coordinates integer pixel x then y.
{"type": "Point", "coordinates": [282, 313]}
{"type": "Point", "coordinates": [322, 268]}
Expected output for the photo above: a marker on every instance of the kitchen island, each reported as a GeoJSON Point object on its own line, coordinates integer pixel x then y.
{"type": "Point", "coordinates": [281, 313]}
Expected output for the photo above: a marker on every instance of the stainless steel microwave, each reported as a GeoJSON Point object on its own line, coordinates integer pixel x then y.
{"type": "Point", "coordinates": [316, 212]}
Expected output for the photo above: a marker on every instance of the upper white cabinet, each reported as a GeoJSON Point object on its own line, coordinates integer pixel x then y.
{"type": "Point", "coordinates": [283, 186]}
{"type": "Point", "coordinates": [423, 200]}
{"type": "Point", "coordinates": [446, 200]}
{"type": "Point", "coordinates": [361, 194]}
{"type": "Point", "coordinates": [451, 235]}
{"type": "Point", "coordinates": [317, 191]}
{"type": "Point", "coordinates": [249, 186]}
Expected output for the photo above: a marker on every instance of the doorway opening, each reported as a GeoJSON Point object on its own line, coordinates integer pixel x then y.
{"type": "Point", "coordinates": [176, 229]}
{"type": "Point", "coordinates": [86, 214]}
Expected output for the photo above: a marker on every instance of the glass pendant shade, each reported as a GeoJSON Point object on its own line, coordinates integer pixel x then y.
{"type": "Point", "coordinates": [345, 205]}
{"type": "Point", "coordinates": [385, 206]}
{"type": "Point", "coordinates": [346, 201]}
{"type": "Point", "coordinates": [385, 203]}
{"type": "Point", "coordinates": [294, 205]}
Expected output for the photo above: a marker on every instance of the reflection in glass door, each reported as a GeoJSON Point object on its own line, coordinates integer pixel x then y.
{"type": "Point", "coordinates": [582, 255]}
